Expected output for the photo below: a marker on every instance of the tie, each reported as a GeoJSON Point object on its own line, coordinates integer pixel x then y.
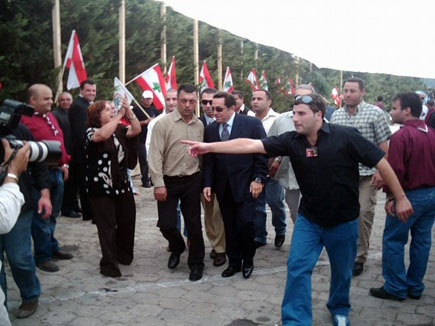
{"type": "Point", "coordinates": [225, 133]}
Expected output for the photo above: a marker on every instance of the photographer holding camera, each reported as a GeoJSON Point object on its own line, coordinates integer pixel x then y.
{"type": "Point", "coordinates": [10, 204]}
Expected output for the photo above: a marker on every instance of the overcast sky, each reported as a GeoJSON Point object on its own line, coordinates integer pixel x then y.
{"type": "Point", "coordinates": [384, 36]}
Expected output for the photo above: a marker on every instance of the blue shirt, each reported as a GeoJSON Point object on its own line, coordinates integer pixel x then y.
{"type": "Point", "coordinates": [229, 125]}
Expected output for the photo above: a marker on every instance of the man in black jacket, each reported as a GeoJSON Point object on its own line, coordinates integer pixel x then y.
{"type": "Point", "coordinates": [78, 114]}
{"type": "Point", "coordinates": [17, 243]}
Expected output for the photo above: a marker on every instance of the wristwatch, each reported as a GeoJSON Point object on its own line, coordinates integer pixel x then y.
{"type": "Point", "coordinates": [258, 179]}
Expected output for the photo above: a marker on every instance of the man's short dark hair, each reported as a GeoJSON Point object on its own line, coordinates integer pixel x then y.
{"type": "Point", "coordinates": [229, 99]}
{"type": "Point", "coordinates": [238, 93]}
{"type": "Point", "coordinates": [412, 101]}
{"type": "Point", "coordinates": [86, 82]}
{"type": "Point", "coordinates": [209, 91]}
{"type": "Point", "coordinates": [317, 103]}
{"type": "Point", "coordinates": [380, 98]}
{"type": "Point", "coordinates": [186, 88]}
{"type": "Point", "coordinates": [268, 95]}
{"type": "Point", "coordinates": [356, 80]}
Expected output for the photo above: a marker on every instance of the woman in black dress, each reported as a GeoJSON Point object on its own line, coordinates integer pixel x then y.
{"type": "Point", "coordinates": [110, 194]}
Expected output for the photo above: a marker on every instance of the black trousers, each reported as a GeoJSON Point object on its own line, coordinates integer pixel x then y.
{"type": "Point", "coordinates": [115, 218]}
{"type": "Point", "coordinates": [79, 184]}
{"type": "Point", "coordinates": [70, 201]}
{"type": "Point", "coordinates": [186, 189]}
{"type": "Point", "coordinates": [239, 227]}
{"type": "Point", "coordinates": [142, 155]}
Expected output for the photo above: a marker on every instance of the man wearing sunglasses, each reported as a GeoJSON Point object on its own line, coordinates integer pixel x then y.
{"type": "Point", "coordinates": [372, 123]}
{"type": "Point", "coordinates": [325, 160]}
{"type": "Point", "coordinates": [237, 181]}
{"type": "Point", "coordinates": [213, 224]}
{"type": "Point", "coordinates": [176, 177]}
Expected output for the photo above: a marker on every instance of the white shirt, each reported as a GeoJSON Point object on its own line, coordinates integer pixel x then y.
{"type": "Point", "coordinates": [150, 131]}
{"type": "Point", "coordinates": [269, 119]}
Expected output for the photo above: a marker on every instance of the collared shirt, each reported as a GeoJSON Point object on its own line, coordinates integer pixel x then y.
{"type": "Point", "coordinates": [208, 120]}
{"type": "Point", "coordinates": [46, 127]}
{"type": "Point", "coordinates": [167, 155]}
{"type": "Point", "coordinates": [229, 125]}
{"type": "Point", "coordinates": [370, 121]}
{"type": "Point", "coordinates": [285, 174]}
{"type": "Point", "coordinates": [328, 180]}
{"type": "Point", "coordinates": [150, 130]}
{"type": "Point", "coordinates": [269, 119]}
{"type": "Point", "coordinates": [412, 155]}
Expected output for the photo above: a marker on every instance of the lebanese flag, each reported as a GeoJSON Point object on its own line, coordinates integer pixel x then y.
{"type": "Point", "coordinates": [152, 80]}
{"type": "Point", "coordinates": [171, 80]}
{"type": "Point", "coordinates": [228, 81]}
{"type": "Point", "coordinates": [205, 78]}
{"type": "Point", "coordinates": [335, 96]}
{"type": "Point", "coordinates": [263, 81]}
{"type": "Point", "coordinates": [278, 81]}
{"type": "Point", "coordinates": [252, 80]}
{"type": "Point", "coordinates": [74, 62]}
{"type": "Point", "coordinates": [289, 88]}
{"type": "Point", "coordinates": [292, 87]}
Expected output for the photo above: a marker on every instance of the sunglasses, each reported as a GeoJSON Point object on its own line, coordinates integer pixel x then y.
{"type": "Point", "coordinates": [217, 108]}
{"type": "Point", "coordinates": [306, 99]}
{"type": "Point", "coordinates": [206, 102]}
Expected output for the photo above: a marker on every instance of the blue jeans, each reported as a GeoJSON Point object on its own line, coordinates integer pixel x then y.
{"type": "Point", "coordinates": [307, 243]}
{"type": "Point", "coordinates": [18, 248]}
{"type": "Point", "coordinates": [273, 194]}
{"type": "Point", "coordinates": [43, 230]}
{"type": "Point", "coordinates": [397, 280]}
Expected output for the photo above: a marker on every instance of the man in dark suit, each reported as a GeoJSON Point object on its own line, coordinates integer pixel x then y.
{"type": "Point", "coordinates": [237, 181]}
{"type": "Point", "coordinates": [206, 105]}
{"type": "Point", "coordinates": [78, 114]}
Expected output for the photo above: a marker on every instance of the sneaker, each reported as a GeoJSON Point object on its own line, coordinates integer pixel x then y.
{"type": "Point", "coordinates": [48, 266]}
{"type": "Point", "coordinates": [341, 320]}
{"type": "Point", "coordinates": [26, 309]}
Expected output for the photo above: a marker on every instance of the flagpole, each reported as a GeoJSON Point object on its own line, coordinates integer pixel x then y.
{"type": "Point", "coordinates": [219, 61]}
{"type": "Point", "coordinates": [163, 36]}
{"type": "Point", "coordinates": [129, 82]}
{"type": "Point", "coordinates": [57, 46]}
{"type": "Point", "coordinates": [122, 41]}
{"type": "Point", "coordinates": [196, 59]}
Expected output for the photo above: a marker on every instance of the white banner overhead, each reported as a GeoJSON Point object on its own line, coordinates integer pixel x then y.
{"type": "Point", "coordinates": [385, 36]}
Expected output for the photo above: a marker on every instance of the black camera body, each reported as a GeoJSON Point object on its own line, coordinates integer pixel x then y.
{"type": "Point", "coordinates": [47, 151]}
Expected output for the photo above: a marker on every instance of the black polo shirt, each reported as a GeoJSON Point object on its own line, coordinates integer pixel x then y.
{"type": "Point", "coordinates": [328, 182]}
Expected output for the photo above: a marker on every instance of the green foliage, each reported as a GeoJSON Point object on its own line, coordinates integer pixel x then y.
{"type": "Point", "coordinates": [26, 55]}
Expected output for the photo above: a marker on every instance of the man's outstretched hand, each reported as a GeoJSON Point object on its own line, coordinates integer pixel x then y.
{"type": "Point", "coordinates": [196, 148]}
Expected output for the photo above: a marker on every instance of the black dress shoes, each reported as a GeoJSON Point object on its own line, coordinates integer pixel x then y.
{"type": "Point", "coordinates": [72, 214]}
{"type": "Point", "coordinates": [248, 268]}
{"type": "Point", "coordinates": [174, 260]}
{"type": "Point", "coordinates": [279, 240]}
{"type": "Point", "coordinates": [259, 244]}
{"type": "Point", "coordinates": [381, 293]}
{"type": "Point", "coordinates": [60, 255]}
{"type": "Point", "coordinates": [357, 269]}
{"type": "Point", "coordinates": [196, 273]}
{"type": "Point", "coordinates": [230, 271]}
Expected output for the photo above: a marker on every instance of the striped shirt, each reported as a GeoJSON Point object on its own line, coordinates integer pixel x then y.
{"type": "Point", "coordinates": [370, 122]}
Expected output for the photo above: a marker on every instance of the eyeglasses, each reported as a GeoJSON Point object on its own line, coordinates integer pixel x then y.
{"type": "Point", "coordinates": [306, 99]}
{"type": "Point", "coordinates": [205, 102]}
{"type": "Point", "coordinates": [217, 108]}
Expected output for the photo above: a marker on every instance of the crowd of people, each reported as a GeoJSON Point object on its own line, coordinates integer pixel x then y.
{"type": "Point", "coordinates": [326, 165]}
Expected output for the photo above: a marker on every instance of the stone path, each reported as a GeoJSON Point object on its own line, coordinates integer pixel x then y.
{"type": "Point", "coordinates": [150, 294]}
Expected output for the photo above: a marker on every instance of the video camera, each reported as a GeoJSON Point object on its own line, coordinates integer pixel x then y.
{"type": "Point", "coordinates": [47, 151]}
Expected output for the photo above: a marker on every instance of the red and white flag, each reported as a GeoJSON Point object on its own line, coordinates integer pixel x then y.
{"type": "Point", "coordinates": [278, 81]}
{"type": "Point", "coordinates": [289, 88]}
{"type": "Point", "coordinates": [205, 78]}
{"type": "Point", "coordinates": [74, 62]}
{"type": "Point", "coordinates": [335, 96]}
{"type": "Point", "coordinates": [228, 81]}
{"type": "Point", "coordinates": [263, 81]}
{"type": "Point", "coordinates": [152, 80]}
{"type": "Point", "coordinates": [252, 80]}
{"type": "Point", "coordinates": [171, 80]}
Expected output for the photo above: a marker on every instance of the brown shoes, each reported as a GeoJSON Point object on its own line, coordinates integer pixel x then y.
{"type": "Point", "coordinates": [219, 259]}
{"type": "Point", "coordinates": [26, 309]}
